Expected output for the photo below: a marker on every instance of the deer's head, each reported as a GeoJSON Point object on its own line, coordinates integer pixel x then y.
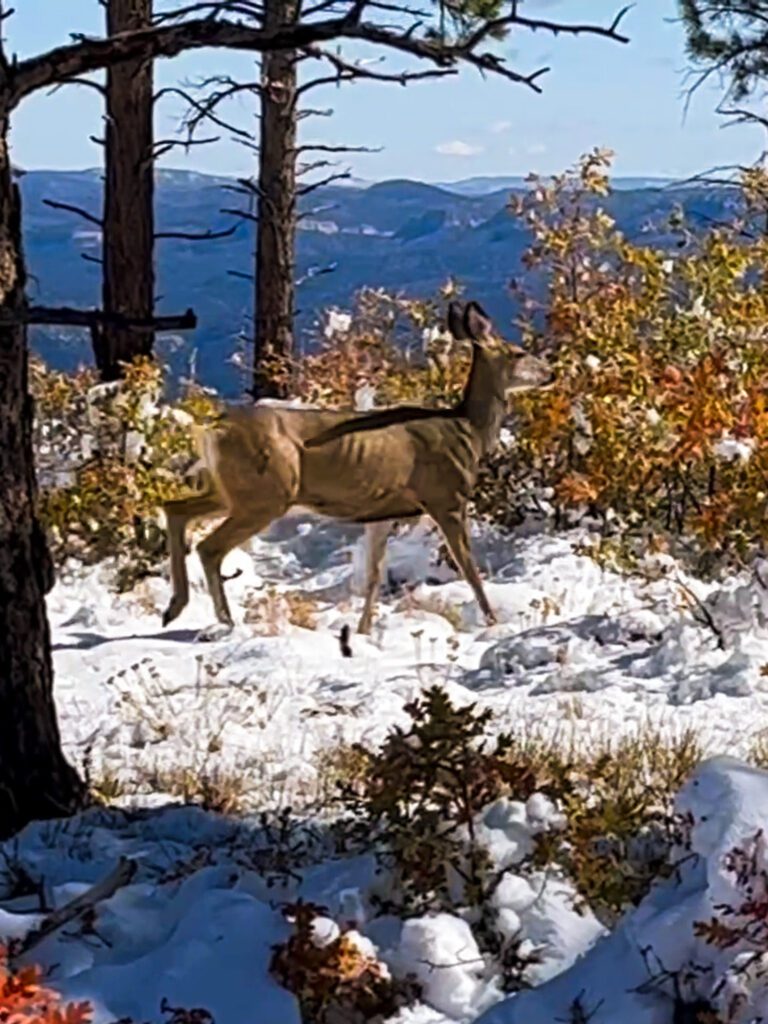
{"type": "Point", "coordinates": [514, 368]}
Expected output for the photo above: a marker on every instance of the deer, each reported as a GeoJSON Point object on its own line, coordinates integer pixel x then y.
{"type": "Point", "coordinates": [373, 468]}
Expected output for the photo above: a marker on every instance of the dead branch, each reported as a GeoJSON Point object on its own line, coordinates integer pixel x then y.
{"type": "Point", "coordinates": [205, 109]}
{"type": "Point", "coordinates": [103, 890]}
{"type": "Point", "coordinates": [701, 614]}
{"type": "Point", "coordinates": [201, 236]}
{"type": "Point", "coordinates": [203, 112]}
{"type": "Point", "coordinates": [163, 146]}
{"type": "Point", "coordinates": [329, 179]}
{"type": "Point", "coordinates": [66, 316]}
{"type": "Point", "coordinates": [70, 208]}
{"type": "Point", "coordinates": [313, 272]}
{"type": "Point", "coordinates": [315, 147]}
{"type": "Point", "coordinates": [348, 71]}
{"type": "Point", "coordinates": [88, 82]}
{"type": "Point", "coordinates": [244, 214]}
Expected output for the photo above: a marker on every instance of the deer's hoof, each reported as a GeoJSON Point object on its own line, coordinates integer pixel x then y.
{"type": "Point", "coordinates": [216, 631]}
{"type": "Point", "coordinates": [173, 610]}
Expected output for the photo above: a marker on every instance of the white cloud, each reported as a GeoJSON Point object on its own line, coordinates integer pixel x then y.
{"type": "Point", "coordinates": [499, 127]}
{"type": "Point", "coordinates": [536, 149]}
{"type": "Point", "coordinates": [458, 148]}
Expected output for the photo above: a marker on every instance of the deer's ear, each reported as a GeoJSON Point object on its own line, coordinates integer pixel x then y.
{"type": "Point", "coordinates": [455, 321]}
{"type": "Point", "coordinates": [477, 323]}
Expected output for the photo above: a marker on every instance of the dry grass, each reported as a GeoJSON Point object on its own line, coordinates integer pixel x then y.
{"type": "Point", "coordinates": [435, 604]}
{"type": "Point", "coordinates": [269, 610]}
{"type": "Point", "coordinates": [212, 789]}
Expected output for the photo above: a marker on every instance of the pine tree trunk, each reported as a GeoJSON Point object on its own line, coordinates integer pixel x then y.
{"type": "Point", "coordinates": [35, 779]}
{"type": "Point", "coordinates": [128, 249]}
{"type": "Point", "coordinates": [276, 211]}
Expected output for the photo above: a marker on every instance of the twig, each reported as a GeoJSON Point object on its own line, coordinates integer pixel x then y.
{"type": "Point", "coordinates": [103, 890]}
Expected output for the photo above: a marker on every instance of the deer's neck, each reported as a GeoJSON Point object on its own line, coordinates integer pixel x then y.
{"type": "Point", "coordinates": [484, 402]}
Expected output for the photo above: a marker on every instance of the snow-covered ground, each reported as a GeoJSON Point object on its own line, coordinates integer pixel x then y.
{"type": "Point", "coordinates": [579, 654]}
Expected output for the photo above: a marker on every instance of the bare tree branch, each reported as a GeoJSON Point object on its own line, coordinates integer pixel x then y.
{"type": "Point", "coordinates": [205, 109]}
{"type": "Point", "coordinates": [67, 316]}
{"type": "Point", "coordinates": [202, 236]}
{"type": "Point", "coordinates": [313, 186]}
{"type": "Point", "coordinates": [202, 112]}
{"type": "Point", "coordinates": [90, 217]}
{"type": "Point", "coordinates": [243, 214]}
{"type": "Point", "coordinates": [316, 147]}
{"type": "Point", "coordinates": [88, 82]}
{"type": "Point", "coordinates": [163, 146]}
{"type": "Point", "coordinates": [313, 272]}
{"type": "Point", "coordinates": [102, 890]}
{"type": "Point", "coordinates": [168, 40]}
{"type": "Point", "coordinates": [347, 71]}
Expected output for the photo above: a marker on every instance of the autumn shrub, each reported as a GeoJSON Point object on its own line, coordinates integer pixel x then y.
{"type": "Point", "coordinates": [24, 999]}
{"type": "Point", "coordinates": [392, 345]}
{"type": "Point", "coordinates": [620, 825]}
{"type": "Point", "coordinates": [108, 455]}
{"type": "Point", "coordinates": [658, 420]}
{"type": "Point", "coordinates": [422, 792]}
{"type": "Point", "coordinates": [418, 798]}
{"type": "Point", "coordinates": [416, 803]}
{"type": "Point", "coordinates": [741, 926]}
{"type": "Point", "coordinates": [333, 973]}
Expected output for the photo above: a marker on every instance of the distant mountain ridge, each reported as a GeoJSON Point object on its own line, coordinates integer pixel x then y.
{"type": "Point", "coordinates": [401, 235]}
{"type": "Point", "coordinates": [484, 184]}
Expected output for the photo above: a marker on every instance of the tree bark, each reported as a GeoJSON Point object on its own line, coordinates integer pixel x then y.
{"type": "Point", "coordinates": [129, 228]}
{"type": "Point", "coordinates": [35, 779]}
{"type": "Point", "coordinates": [276, 211]}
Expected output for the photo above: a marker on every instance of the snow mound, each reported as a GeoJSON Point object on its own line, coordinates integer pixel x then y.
{"type": "Point", "coordinates": [627, 976]}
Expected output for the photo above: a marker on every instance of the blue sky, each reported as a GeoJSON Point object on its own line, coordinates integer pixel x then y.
{"type": "Point", "coordinates": [629, 98]}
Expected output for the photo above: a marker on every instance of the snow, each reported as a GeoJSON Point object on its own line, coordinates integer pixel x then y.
{"type": "Point", "coordinates": [732, 448]}
{"type": "Point", "coordinates": [580, 653]}
{"type": "Point", "coordinates": [728, 804]}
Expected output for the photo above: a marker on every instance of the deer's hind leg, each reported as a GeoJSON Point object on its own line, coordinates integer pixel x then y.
{"type": "Point", "coordinates": [235, 530]}
{"type": "Point", "coordinates": [178, 514]}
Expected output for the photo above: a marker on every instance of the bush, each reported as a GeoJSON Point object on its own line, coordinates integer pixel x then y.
{"type": "Point", "coordinates": [108, 456]}
{"type": "Point", "coordinates": [332, 973]}
{"type": "Point", "coordinates": [374, 347]}
{"type": "Point", "coordinates": [658, 421]}
{"type": "Point", "coordinates": [418, 797]}
{"type": "Point", "coordinates": [25, 1000]}
{"type": "Point", "coordinates": [620, 824]}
